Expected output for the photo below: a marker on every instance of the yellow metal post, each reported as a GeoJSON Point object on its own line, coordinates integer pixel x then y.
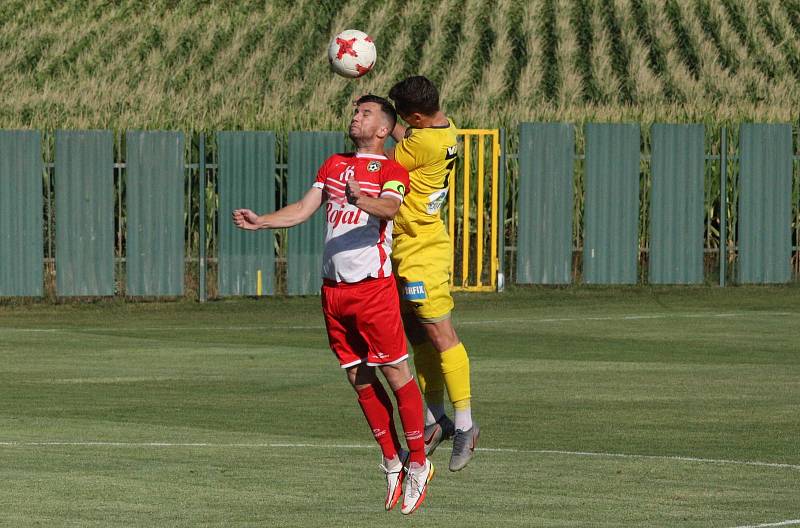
{"type": "Point", "coordinates": [465, 223]}
{"type": "Point", "coordinates": [479, 211]}
{"type": "Point", "coordinates": [258, 283]}
{"type": "Point", "coordinates": [451, 220]}
{"type": "Point", "coordinates": [494, 220]}
{"type": "Point", "coordinates": [481, 217]}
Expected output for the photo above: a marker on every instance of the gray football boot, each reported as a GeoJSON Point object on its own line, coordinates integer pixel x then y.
{"type": "Point", "coordinates": [435, 434]}
{"type": "Point", "coordinates": [464, 443]}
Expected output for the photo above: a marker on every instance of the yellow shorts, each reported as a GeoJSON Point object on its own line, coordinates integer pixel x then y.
{"type": "Point", "coordinates": [422, 265]}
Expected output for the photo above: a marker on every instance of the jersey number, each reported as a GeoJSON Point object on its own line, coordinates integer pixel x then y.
{"type": "Point", "coordinates": [452, 154]}
{"type": "Point", "coordinates": [347, 173]}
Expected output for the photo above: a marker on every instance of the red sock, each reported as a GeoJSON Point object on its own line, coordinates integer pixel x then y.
{"type": "Point", "coordinates": [383, 396]}
{"type": "Point", "coordinates": [409, 404]}
{"type": "Point", "coordinates": [378, 411]}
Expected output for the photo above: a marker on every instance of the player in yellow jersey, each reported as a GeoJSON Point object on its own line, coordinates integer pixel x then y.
{"type": "Point", "coordinates": [421, 257]}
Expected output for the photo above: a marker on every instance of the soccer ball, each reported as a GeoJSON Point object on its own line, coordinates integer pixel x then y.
{"type": "Point", "coordinates": [352, 53]}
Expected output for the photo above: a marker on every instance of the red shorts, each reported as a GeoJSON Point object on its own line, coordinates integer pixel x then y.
{"type": "Point", "coordinates": [363, 322]}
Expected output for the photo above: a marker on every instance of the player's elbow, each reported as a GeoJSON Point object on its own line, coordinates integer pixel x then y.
{"type": "Point", "coordinates": [303, 212]}
{"type": "Point", "coordinates": [391, 209]}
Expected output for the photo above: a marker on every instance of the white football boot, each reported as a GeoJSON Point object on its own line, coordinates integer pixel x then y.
{"type": "Point", "coordinates": [394, 480]}
{"type": "Point", "coordinates": [416, 486]}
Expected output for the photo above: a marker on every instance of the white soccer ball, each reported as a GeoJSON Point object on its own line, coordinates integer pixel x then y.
{"type": "Point", "coordinates": [352, 53]}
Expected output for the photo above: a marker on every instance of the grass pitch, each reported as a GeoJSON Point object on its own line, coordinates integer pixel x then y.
{"type": "Point", "coordinates": [598, 407]}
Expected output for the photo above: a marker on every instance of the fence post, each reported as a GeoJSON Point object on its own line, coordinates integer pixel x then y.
{"type": "Point", "coordinates": [723, 206]}
{"type": "Point", "coordinates": [201, 195]}
{"type": "Point", "coordinates": [501, 215]}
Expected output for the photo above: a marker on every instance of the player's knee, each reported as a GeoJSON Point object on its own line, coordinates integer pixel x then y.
{"type": "Point", "coordinates": [414, 331]}
{"type": "Point", "coordinates": [397, 375]}
{"type": "Point", "coordinates": [442, 334]}
{"type": "Point", "coordinates": [360, 376]}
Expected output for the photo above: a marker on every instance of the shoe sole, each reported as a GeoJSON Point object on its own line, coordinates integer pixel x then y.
{"type": "Point", "coordinates": [471, 452]}
{"type": "Point", "coordinates": [398, 491]}
{"type": "Point", "coordinates": [424, 492]}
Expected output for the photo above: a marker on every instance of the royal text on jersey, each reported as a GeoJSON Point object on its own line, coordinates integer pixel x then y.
{"type": "Point", "coordinates": [337, 216]}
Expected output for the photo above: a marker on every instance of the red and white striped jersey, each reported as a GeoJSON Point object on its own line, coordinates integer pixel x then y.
{"type": "Point", "coordinates": [357, 245]}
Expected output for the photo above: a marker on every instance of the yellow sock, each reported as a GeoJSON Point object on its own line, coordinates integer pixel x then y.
{"type": "Point", "coordinates": [429, 373]}
{"type": "Point", "coordinates": [462, 405]}
{"type": "Point", "coordinates": [455, 370]}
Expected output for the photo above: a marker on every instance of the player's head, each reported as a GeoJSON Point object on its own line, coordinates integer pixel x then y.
{"type": "Point", "coordinates": [415, 95]}
{"type": "Point", "coordinates": [373, 119]}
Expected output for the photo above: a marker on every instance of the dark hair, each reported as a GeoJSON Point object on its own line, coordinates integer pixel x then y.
{"type": "Point", "coordinates": [386, 107]}
{"type": "Point", "coordinates": [415, 94]}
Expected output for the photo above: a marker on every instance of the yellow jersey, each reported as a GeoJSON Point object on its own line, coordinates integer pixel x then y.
{"type": "Point", "coordinates": [429, 156]}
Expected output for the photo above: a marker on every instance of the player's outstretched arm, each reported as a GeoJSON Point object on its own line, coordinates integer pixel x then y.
{"type": "Point", "coordinates": [384, 208]}
{"type": "Point", "coordinates": [291, 215]}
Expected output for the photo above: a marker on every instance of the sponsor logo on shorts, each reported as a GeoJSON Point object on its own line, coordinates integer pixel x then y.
{"type": "Point", "coordinates": [414, 291]}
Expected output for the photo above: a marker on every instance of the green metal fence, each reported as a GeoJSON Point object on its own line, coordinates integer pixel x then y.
{"type": "Point", "coordinates": [246, 179]}
{"type": "Point", "coordinates": [84, 204]}
{"type": "Point", "coordinates": [765, 209]}
{"type": "Point", "coordinates": [676, 204]}
{"type": "Point", "coordinates": [155, 213]}
{"type": "Point", "coordinates": [612, 204]}
{"type": "Point", "coordinates": [147, 213]}
{"type": "Point", "coordinates": [21, 249]}
{"type": "Point", "coordinates": [544, 228]}
{"type": "Point", "coordinates": [703, 208]}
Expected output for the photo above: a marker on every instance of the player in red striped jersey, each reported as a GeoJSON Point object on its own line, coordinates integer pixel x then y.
{"type": "Point", "coordinates": [362, 192]}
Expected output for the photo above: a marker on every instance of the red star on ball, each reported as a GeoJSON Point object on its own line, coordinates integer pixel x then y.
{"type": "Point", "coordinates": [346, 46]}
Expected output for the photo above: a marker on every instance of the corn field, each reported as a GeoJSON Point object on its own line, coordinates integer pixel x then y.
{"type": "Point", "coordinates": [201, 65]}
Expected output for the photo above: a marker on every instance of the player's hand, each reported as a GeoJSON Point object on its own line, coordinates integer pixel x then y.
{"type": "Point", "coordinates": [245, 219]}
{"type": "Point", "coordinates": [352, 191]}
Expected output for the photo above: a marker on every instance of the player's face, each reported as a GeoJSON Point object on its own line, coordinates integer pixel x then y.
{"type": "Point", "coordinates": [367, 122]}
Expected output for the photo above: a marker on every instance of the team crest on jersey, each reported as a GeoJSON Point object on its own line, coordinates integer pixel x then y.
{"type": "Point", "coordinates": [414, 291]}
{"type": "Point", "coordinates": [374, 166]}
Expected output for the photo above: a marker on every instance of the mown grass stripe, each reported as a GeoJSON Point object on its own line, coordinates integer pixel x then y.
{"type": "Point", "coordinates": [339, 446]}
